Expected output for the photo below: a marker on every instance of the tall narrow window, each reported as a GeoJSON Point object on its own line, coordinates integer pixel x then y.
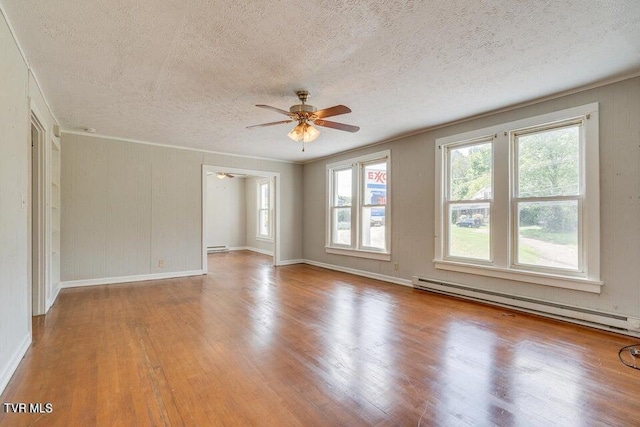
{"type": "Point", "coordinates": [469, 198]}
{"type": "Point", "coordinates": [265, 222]}
{"type": "Point", "coordinates": [373, 214]}
{"type": "Point", "coordinates": [548, 197]}
{"type": "Point", "coordinates": [341, 209]}
{"type": "Point", "coordinates": [358, 210]}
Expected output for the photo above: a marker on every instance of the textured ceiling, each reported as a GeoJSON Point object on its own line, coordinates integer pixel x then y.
{"type": "Point", "coordinates": [189, 72]}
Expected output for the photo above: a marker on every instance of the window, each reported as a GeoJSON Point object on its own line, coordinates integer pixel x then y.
{"type": "Point", "coordinates": [520, 201]}
{"type": "Point", "coordinates": [265, 211]}
{"type": "Point", "coordinates": [547, 197]}
{"type": "Point", "coordinates": [468, 201]}
{"type": "Point", "coordinates": [358, 212]}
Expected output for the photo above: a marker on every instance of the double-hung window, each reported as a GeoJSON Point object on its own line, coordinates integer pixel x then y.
{"type": "Point", "coordinates": [358, 210]}
{"type": "Point", "coordinates": [468, 199]}
{"type": "Point", "coordinates": [265, 209]}
{"type": "Point", "coordinates": [547, 197]}
{"type": "Point", "coordinates": [520, 201]}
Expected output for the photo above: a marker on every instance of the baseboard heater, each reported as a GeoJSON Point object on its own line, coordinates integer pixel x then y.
{"type": "Point", "coordinates": [583, 316]}
{"type": "Point", "coordinates": [216, 249]}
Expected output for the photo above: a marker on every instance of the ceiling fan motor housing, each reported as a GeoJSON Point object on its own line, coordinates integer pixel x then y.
{"type": "Point", "coordinates": [303, 108]}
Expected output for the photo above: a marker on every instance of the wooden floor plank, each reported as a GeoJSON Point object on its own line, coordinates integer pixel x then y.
{"type": "Point", "coordinates": [250, 344]}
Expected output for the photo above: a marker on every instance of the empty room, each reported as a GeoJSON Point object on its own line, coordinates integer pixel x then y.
{"type": "Point", "coordinates": [349, 213]}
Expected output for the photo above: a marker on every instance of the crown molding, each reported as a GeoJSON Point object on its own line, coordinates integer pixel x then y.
{"type": "Point", "coordinates": [177, 147]}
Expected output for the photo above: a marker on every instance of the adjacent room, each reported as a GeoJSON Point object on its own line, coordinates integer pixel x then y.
{"type": "Point", "coordinates": [358, 213]}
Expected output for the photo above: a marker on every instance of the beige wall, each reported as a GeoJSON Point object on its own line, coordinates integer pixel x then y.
{"type": "Point", "coordinates": [18, 94]}
{"type": "Point", "coordinates": [226, 212]}
{"type": "Point", "coordinates": [126, 206]}
{"type": "Point", "coordinates": [252, 218]}
{"type": "Point", "coordinates": [413, 204]}
{"type": "Point", "coordinates": [14, 134]}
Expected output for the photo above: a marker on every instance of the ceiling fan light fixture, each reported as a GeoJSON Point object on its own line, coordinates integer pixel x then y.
{"type": "Point", "coordinates": [304, 132]}
{"type": "Point", "coordinates": [221, 175]}
{"type": "Point", "coordinates": [311, 133]}
{"type": "Point", "coordinates": [296, 133]}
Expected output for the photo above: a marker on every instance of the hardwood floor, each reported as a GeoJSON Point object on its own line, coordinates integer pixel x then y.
{"type": "Point", "coordinates": [250, 344]}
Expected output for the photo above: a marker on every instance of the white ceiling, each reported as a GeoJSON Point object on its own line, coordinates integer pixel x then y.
{"type": "Point", "coordinates": [189, 72]}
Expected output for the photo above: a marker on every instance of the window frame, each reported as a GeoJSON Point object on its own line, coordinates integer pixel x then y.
{"type": "Point", "coordinates": [515, 199]}
{"type": "Point", "coordinates": [503, 221]}
{"type": "Point", "coordinates": [357, 166]}
{"type": "Point", "coordinates": [259, 184]}
{"type": "Point", "coordinates": [333, 207]}
{"type": "Point", "coordinates": [447, 202]}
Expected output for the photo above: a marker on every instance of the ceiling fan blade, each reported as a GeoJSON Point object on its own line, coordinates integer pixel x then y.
{"type": "Point", "coordinates": [335, 125]}
{"type": "Point", "coordinates": [269, 124]}
{"type": "Point", "coordinates": [229, 175]}
{"type": "Point", "coordinates": [333, 111]}
{"type": "Point", "coordinates": [277, 110]}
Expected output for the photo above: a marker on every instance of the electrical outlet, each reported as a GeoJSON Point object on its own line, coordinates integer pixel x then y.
{"type": "Point", "coordinates": [160, 263]}
{"type": "Point", "coordinates": [395, 266]}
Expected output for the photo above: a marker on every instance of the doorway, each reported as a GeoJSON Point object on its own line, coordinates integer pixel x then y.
{"type": "Point", "coordinates": [36, 220]}
{"type": "Point", "coordinates": [213, 175]}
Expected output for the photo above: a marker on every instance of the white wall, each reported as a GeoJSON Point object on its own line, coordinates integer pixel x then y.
{"type": "Point", "coordinates": [127, 205]}
{"type": "Point", "coordinates": [226, 212]}
{"type": "Point", "coordinates": [252, 241]}
{"type": "Point", "coordinates": [14, 128]}
{"type": "Point", "coordinates": [413, 204]}
{"type": "Point", "coordinates": [18, 93]}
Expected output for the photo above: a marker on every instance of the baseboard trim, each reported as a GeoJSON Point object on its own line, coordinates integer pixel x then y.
{"type": "Point", "coordinates": [260, 251]}
{"type": "Point", "coordinates": [368, 274]}
{"type": "Point", "coordinates": [291, 262]}
{"type": "Point", "coordinates": [13, 363]}
{"type": "Point", "coordinates": [126, 279]}
{"type": "Point", "coordinates": [54, 297]}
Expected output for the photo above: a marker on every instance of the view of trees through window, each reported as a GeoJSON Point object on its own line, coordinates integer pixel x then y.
{"type": "Point", "coordinates": [546, 194]}
{"type": "Point", "coordinates": [548, 190]}
{"type": "Point", "coordinates": [521, 199]}
{"type": "Point", "coordinates": [470, 189]}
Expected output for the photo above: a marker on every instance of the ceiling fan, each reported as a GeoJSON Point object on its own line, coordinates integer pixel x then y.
{"type": "Point", "coordinates": [223, 175]}
{"type": "Point", "coordinates": [304, 113]}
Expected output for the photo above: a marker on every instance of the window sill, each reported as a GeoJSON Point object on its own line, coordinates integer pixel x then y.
{"type": "Point", "coordinates": [382, 256]}
{"type": "Point", "coordinates": [566, 282]}
{"type": "Point", "coordinates": [264, 239]}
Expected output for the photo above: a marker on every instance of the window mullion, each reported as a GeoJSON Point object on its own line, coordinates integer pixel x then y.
{"type": "Point", "coordinates": [356, 210]}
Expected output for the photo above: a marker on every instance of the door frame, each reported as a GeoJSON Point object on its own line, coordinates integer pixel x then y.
{"type": "Point", "coordinates": [38, 243]}
{"type": "Point", "coordinates": [253, 172]}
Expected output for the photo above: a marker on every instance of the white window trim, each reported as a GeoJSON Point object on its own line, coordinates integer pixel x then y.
{"type": "Point", "coordinates": [502, 215]}
{"type": "Point", "coordinates": [448, 202]}
{"type": "Point", "coordinates": [259, 236]}
{"type": "Point", "coordinates": [356, 250]}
